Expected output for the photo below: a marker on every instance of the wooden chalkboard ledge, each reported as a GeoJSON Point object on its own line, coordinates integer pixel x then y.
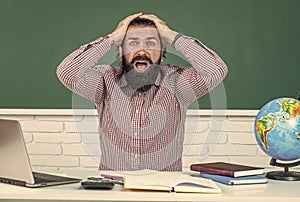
{"type": "Point", "coordinates": [67, 112]}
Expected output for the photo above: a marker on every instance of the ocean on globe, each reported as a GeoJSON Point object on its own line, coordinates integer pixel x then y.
{"type": "Point", "coordinates": [277, 129]}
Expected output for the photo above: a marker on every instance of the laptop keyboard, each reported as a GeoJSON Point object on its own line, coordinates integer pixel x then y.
{"type": "Point", "coordinates": [45, 178]}
{"type": "Point", "coordinates": [39, 180]}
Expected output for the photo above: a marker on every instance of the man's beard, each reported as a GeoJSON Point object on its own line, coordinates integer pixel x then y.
{"type": "Point", "coordinates": [140, 81]}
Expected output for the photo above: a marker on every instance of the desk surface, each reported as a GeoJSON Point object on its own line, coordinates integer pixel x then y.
{"type": "Point", "coordinates": [273, 191]}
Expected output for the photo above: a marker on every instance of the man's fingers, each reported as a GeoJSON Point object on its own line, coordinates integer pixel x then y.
{"type": "Point", "coordinates": [151, 16]}
{"type": "Point", "coordinates": [124, 23]}
{"type": "Point", "coordinates": [154, 18]}
{"type": "Point", "coordinates": [131, 17]}
{"type": "Point", "coordinates": [128, 19]}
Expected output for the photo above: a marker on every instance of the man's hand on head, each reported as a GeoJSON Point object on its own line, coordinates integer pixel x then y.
{"type": "Point", "coordinates": [168, 35]}
{"type": "Point", "coordinates": [118, 34]}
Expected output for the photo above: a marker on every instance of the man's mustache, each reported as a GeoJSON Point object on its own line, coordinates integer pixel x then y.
{"type": "Point", "coordinates": [141, 57]}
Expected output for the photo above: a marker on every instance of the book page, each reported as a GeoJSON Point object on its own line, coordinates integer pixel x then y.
{"type": "Point", "coordinates": [147, 179]}
{"type": "Point", "coordinates": [154, 180]}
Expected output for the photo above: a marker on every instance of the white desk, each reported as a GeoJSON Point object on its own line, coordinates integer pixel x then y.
{"type": "Point", "coordinates": [273, 191]}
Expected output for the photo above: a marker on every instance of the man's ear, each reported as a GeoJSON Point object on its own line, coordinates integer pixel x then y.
{"type": "Point", "coordinates": [120, 51]}
{"type": "Point", "coordinates": [163, 53]}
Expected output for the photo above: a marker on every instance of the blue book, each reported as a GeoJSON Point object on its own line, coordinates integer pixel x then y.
{"type": "Point", "coordinates": [254, 179]}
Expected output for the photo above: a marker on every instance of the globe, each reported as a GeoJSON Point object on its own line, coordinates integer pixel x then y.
{"type": "Point", "coordinates": [277, 129]}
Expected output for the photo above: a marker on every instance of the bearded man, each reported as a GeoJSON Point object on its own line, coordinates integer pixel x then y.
{"type": "Point", "coordinates": [142, 104]}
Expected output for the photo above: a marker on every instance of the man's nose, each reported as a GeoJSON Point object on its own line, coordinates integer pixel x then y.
{"type": "Point", "coordinates": [140, 46]}
{"type": "Point", "coordinates": [141, 52]}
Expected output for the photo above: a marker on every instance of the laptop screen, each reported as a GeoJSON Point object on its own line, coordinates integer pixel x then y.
{"type": "Point", "coordinates": [14, 159]}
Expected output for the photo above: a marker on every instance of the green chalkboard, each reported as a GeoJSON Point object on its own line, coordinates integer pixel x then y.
{"type": "Point", "coordinates": [258, 40]}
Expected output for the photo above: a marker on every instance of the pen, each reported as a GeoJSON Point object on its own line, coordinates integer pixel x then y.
{"type": "Point", "coordinates": [113, 177]}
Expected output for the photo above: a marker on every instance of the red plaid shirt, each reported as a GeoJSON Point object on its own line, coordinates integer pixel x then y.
{"type": "Point", "coordinates": [142, 130]}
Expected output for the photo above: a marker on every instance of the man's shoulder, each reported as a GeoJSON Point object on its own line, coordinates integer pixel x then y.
{"type": "Point", "coordinates": [108, 69]}
{"type": "Point", "coordinates": [170, 69]}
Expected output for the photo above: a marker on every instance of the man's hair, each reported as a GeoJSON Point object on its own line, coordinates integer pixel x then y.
{"type": "Point", "coordinates": [146, 23]}
{"type": "Point", "coordinates": [141, 22]}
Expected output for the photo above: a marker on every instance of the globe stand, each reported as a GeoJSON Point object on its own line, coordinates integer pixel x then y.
{"type": "Point", "coordinates": [286, 174]}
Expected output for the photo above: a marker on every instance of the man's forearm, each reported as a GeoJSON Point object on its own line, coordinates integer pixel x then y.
{"type": "Point", "coordinates": [204, 60]}
{"type": "Point", "coordinates": [78, 62]}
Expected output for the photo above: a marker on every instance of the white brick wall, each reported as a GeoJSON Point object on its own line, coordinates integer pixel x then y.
{"type": "Point", "coordinates": [57, 139]}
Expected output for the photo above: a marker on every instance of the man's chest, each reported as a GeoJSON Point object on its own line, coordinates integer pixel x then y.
{"type": "Point", "coordinates": [155, 108]}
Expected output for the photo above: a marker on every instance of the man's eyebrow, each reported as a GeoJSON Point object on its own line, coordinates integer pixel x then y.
{"type": "Point", "coordinates": [152, 37]}
{"type": "Point", "coordinates": [137, 38]}
{"type": "Point", "coordinates": [133, 38]}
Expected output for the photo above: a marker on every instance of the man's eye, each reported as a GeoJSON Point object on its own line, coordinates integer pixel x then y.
{"type": "Point", "coordinates": [150, 44]}
{"type": "Point", "coordinates": [133, 43]}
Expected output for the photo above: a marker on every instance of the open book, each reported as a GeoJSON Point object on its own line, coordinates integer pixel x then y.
{"type": "Point", "coordinates": [168, 181]}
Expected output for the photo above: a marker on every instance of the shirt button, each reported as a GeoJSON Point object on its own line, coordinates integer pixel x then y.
{"type": "Point", "coordinates": [136, 111]}
{"type": "Point", "coordinates": [135, 134]}
{"type": "Point", "coordinates": [135, 156]}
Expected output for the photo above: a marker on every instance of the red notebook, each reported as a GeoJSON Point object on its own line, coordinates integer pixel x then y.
{"type": "Point", "coordinates": [227, 169]}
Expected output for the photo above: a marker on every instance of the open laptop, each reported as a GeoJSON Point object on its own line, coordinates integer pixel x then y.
{"type": "Point", "coordinates": [15, 167]}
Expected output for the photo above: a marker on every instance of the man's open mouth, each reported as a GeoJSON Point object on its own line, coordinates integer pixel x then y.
{"type": "Point", "coordinates": [141, 66]}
